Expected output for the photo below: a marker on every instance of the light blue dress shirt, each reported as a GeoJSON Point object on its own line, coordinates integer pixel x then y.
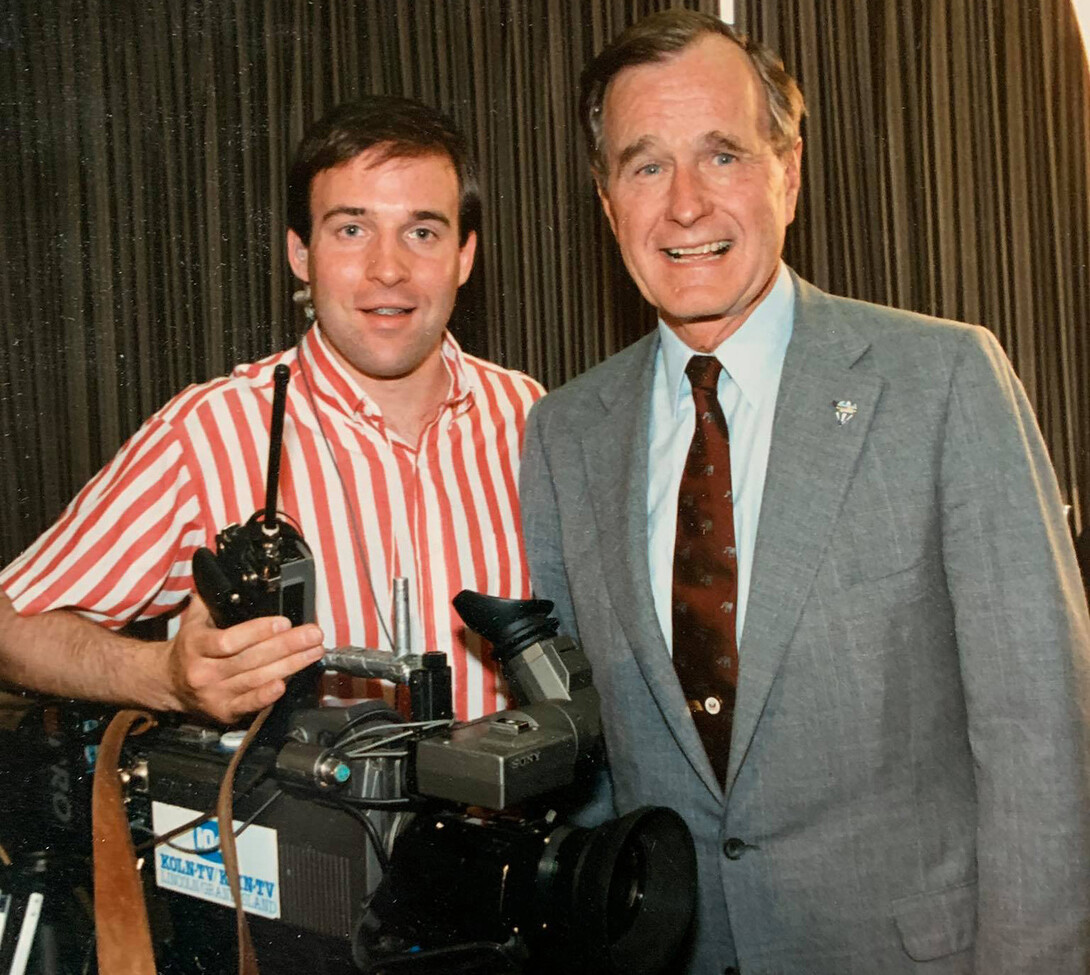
{"type": "Point", "coordinates": [752, 360]}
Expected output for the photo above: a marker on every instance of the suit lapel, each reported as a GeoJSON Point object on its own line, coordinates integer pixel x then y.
{"type": "Point", "coordinates": [810, 465]}
{"type": "Point", "coordinates": [615, 455]}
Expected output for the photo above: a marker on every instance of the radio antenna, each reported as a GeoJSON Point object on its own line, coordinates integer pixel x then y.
{"type": "Point", "coordinates": [281, 374]}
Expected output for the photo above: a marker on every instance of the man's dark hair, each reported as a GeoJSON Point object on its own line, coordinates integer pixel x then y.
{"type": "Point", "coordinates": [658, 36]}
{"type": "Point", "coordinates": [401, 128]}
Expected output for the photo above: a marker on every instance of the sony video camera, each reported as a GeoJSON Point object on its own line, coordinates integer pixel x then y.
{"type": "Point", "coordinates": [367, 841]}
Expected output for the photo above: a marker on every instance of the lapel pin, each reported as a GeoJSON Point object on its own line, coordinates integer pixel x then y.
{"type": "Point", "coordinates": [845, 410]}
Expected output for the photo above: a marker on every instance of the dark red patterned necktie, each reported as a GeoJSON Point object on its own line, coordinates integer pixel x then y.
{"type": "Point", "coordinates": [706, 571]}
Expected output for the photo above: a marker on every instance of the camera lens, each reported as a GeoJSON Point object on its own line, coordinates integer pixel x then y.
{"type": "Point", "coordinates": [614, 900]}
{"type": "Point", "coordinates": [622, 894]}
{"type": "Point", "coordinates": [626, 888]}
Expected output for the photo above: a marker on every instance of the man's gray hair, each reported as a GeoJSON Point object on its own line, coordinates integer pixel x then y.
{"type": "Point", "coordinates": [657, 37]}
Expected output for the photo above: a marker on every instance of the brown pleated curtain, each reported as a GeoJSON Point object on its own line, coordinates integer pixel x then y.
{"type": "Point", "coordinates": [141, 189]}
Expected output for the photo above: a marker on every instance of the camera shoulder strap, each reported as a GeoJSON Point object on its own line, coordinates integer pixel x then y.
{"type": "Point", "coordinates": [121, 918]}
{"type": "Point", "coordinates": [123, 938]}
{"type": "Point", "coordinates": [247, 958]}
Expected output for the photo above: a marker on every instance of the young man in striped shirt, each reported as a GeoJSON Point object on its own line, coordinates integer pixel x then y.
{"type": "Point", "coordinates": [400, 456]}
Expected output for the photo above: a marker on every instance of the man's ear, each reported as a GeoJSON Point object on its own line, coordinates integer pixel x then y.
{"type": "Point", "coordinates": [792, 179]}
{"type": "Point", "coordinates": [603, 196]}
{"type": "Point", "coordinates": [297, 257]}
{"type": "Point", "coordinates": [466, 254]}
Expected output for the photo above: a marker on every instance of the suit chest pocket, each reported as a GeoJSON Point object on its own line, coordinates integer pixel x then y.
{"type": "Point", "coordinates": [887, 536]}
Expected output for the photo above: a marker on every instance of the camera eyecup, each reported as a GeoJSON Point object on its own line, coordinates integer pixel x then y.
{"type": "Point", "coordinates": [510, 625]}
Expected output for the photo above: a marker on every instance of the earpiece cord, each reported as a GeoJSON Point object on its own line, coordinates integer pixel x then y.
{"type": "Point", "coordinates": [353, 524]}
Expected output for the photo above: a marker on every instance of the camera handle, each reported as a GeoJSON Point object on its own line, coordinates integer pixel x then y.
{"type": "Point", "coordinates": [426, 675]}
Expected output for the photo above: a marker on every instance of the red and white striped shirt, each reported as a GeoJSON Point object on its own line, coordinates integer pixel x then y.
{"type": "Point", "coordinates": [444, 514]}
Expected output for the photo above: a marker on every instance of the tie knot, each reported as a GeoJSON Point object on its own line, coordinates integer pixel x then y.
{"type": "Point", "coordinates": [703, 372]}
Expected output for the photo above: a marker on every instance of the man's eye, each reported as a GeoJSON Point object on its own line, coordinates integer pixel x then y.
{"type": "Point", "coordinates": [649, 169]}
{"type": "Point", "coordinates": [350, 230]}
{"type": "Point", "coordinates": [422, 233]}
{"type": "Point", "coordinates": [724, 158]}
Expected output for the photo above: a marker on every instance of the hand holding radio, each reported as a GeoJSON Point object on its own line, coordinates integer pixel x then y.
{"type": "Point", "coordinates": [248, 636]}
{"type": "Point", "coordinates": [229, 673]}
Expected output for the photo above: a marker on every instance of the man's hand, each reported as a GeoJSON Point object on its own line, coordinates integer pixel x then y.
{"type": "Point", "coordinates": [226, 674]}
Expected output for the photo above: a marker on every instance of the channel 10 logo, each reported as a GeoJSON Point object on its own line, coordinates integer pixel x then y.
{"type": "Point", "coordinates": [206, 842]}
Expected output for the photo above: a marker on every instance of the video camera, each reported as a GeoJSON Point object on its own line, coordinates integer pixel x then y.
{"type": "Point", "coordinates": [368, 842]}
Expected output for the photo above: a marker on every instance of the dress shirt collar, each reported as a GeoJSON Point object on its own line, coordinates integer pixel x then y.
{"type": "Point", "coordinates": [750, 356]}
{"type": "Point", "coordinates": [334, 384]}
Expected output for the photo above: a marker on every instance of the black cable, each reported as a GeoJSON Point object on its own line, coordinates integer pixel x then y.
{"type": "Point", "coordinates": [260, 809]}
{"type": "Point", "coordinates": [166, 837]}
{"type": "Point", "coordinates": [366, 754]}
{"type": "Point", "coordinates": [394, 730]}
{"type": "Point", "coordinates": [177, 831]}
{"type": "Point", "coordinates": [372, 835]}
{"type": "Point", "coordinates": [238, 832]}
{"type": "Point", "coordinates": [409, 805]}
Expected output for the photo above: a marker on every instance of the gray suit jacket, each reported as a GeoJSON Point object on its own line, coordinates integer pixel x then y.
{"type": "Point", "coordinates": [910, 766]}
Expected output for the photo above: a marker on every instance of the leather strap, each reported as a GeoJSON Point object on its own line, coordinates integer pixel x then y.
{"type": "Point", "coordinates": [121, 918]}
{"type": "Point", "coordinates": [123, 937]}
{"type": "Point", "coordinates": [247, 959]}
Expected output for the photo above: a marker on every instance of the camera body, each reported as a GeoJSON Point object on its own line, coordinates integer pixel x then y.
{"type": "Point", "coordinates": [368, 842]}
{"type": "Point", "coordinates": [436, 883]}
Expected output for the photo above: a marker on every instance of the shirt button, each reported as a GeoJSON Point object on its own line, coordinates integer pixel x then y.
{"type": "Point", "coordinates": [734, 848]}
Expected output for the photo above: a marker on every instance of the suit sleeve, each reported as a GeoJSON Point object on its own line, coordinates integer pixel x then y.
{"type": "Point", "coordinates": [544, 552]}
{"type": "Point", "coordinates": [1023, 640]}
{"type": "Point", "coordinates": [541, 525]}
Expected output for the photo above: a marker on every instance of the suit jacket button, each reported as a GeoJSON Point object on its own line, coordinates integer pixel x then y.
{"type": "Point", "coordinates": [731, 970]}
{"type": "Point", "coordinates": [734, 848]}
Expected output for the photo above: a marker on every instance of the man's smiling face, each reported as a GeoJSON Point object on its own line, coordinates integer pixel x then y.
{"type": "Point", "coordinates": [696, 195]}
{"type": "Point", "coordinates": [384, 264]}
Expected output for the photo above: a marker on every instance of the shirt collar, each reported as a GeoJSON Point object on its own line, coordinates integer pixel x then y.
{"type": "Point", "coordinates": [751, 356]}
{"type": "Point", "coordinates": [334, 384]}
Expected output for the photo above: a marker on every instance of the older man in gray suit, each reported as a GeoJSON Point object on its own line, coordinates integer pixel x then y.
{"type": "Point", "coordinates": [881, 743]}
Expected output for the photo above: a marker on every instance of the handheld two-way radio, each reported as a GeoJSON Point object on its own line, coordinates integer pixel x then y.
{"type": "Point", "coordinates": [264, 568]}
